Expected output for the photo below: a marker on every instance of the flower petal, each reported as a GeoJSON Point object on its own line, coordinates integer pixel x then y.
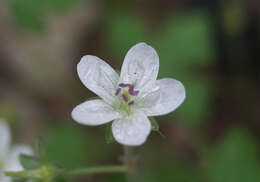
{"type": "Point", "coordinates": [98, 77]}
{"type": "Point", "coordinates": [140, 67]}
{"type": "Point", "coordinates": [170, 95]}
{"type": "Point", "coordinates": [4, 138]}
{"type": "Point", "coordinates": [4, 178]}
{"type": "Point", "coordinates": [94, 112]}
{"type": "Point", "coordinates": [12, 163]}
{"type": "Point", "coordinates": [132, 130]}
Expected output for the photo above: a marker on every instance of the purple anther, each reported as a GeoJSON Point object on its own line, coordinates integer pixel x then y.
{"type": "Point", "coordinates": [135, 93]}
{"type": "Point", "coordinates": [118, 91]}
{"type": "Point", "coordinates": [132, 91]}
{"type": "Point", "coordinates": [131, 88]}
{"type": "Point", "coordinates": [123, 85]}
{"type": "Point", "coordinates": [131, 103]}
{"type": "Point", "coordinates": [125, 97]}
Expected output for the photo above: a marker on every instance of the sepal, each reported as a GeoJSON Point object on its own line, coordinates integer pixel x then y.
{"type": "Point", "coordinates": [155, 126]}
{"type": "Point", "coordinates": [109, 135]}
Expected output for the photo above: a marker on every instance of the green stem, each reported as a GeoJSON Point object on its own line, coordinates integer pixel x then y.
{"type": "Point", "coordinates": [97, 170]}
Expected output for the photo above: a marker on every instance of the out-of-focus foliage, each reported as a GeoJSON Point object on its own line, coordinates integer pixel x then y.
{"type": "Point", "coordinates": [173, 172]}
{"type": "Point", "coordinates": [235, 159]}
{"type": "Point", "coordinates": [234, 17]}
{"type": "Point", "coordinates": [70, 147]}
{"type": "Point", "coordinates": [124, 32]}
{"type": "Point", "coordinates": [65, 146]}
{"type": "Point", "coordinates": [31, 14]}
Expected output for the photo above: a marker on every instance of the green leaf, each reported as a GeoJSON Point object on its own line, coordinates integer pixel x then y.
{"type": "Point", "coordinates": [28, 13]}
{"type": "Point", "coordinates": [124, 32]}
{"type": "Point", "coordinates": [29, 162]}
{"type": "Point", "coordinates": [109, 135]}
{"type": "Point", "coordinates": [235, 159]}
{"type": "Point", "coordinates": [65, 146]}
{"type": "Point", "coordinates": [62, 5]}
{"type": "Point", "coordinates": [196, 106]}
{"type": "Point", "coordinates": [188, 40]}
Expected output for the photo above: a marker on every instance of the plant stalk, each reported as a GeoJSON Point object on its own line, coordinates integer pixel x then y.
{"type": "Point", "coordinates": [97, 170]}
{"type": "Point", "coordinates": [129, 161]}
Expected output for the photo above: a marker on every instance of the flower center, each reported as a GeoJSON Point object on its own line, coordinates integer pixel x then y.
{"type": "Point", "coordinates": [127, 93]}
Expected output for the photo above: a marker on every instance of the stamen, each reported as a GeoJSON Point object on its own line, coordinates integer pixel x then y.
{"type": "Point", "coordinates": [135, 93]}
{"type": "Point", "coordinates": [123, 85]}
{"type": "Point", "coordinates": [132, 91]}
{"type": "Point", "coordinates": [125, 97]}
{"type": "Point", "coordinates": [131, 103]}
{"type": "Point", "coordinates": [131, 88]}
{"type": "Point", "coordinates": [118, 91]}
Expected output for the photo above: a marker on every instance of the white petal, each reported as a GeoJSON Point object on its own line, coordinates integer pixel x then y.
{"type": "Point", "coordinates": [4, 138]}
{"type": "Point", "coordinates": [4, 178]}
{"type": "Point", "coordinates": [98, 77]}
{"type": "Point", "coordinates": [12, 163]}
{"type": "Point", "coordinates": [140, 67]}
{"type": "Point", "coordinates": [132, 130]}
{"type": "Point", "coordinates": [94, 112]}
{"type": "Point", "coordinates": [172, 94]}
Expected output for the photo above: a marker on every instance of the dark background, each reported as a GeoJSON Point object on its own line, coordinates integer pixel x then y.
{"type": "Point", "coordinates": [212, 46]}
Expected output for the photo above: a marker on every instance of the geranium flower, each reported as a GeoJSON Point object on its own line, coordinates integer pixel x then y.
{"type": "Point", "coordinates": [9, 156]}
{"type": "Point", "coordinates": [127, 100]}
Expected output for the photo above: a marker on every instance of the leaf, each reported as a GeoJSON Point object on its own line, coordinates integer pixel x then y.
{"type": "Point", "coordinates": [62, 5]}
{"type": "Point", "coordinates": [235, 159]}
{"type": "Point", "coordinates": [188, 40]}
{"type": "Point", "coordinates": [65, 146]}
{"type": "Point", "coordinates": [124, 32]}
{"type": "Point", "coordinates": [28, 14]}
{"type": "Point", "coordinates": [29, 162]}
{"type": "Point", "coordinates": [196, 106]}
{"type": "Point", "coordinates": [109, 135]}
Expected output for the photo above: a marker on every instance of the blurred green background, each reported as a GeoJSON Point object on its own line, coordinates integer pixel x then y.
{"type": "Point", "coordinates": [213, 47]}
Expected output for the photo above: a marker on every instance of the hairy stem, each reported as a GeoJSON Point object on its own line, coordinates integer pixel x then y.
{"type": "Point", "coordinates": [129, 161]}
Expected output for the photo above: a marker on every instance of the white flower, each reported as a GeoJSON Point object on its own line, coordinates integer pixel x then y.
{"type": "Point", "coordinates": [9, 156]}
{"type": "Point", "coordinates": [130, 98]}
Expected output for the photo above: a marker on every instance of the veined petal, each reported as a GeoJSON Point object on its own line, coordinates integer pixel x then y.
{"type": "Point", "coordinates": [4, 138]}
{"type": "Point", "coordinates": [132, 130]}
{"type": "Point", "coordinates": [12, 163]}
{"type": "Point", "coordinates": [98, 77]}
{"type": "Point", "coordinates": [140, 67]}
{"type": "Point", "coordinates": [171, 95]}
{"type": "Point", "coordinates": [94, 112]}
